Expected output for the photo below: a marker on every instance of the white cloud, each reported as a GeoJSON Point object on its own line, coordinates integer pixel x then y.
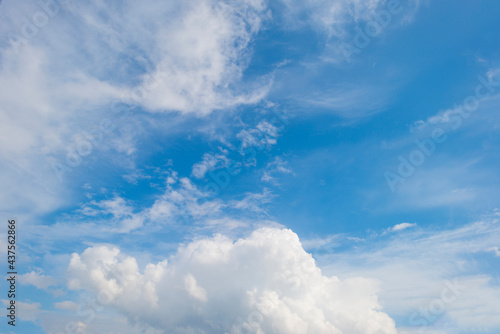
{"type": "Point", "coordinates": [26, 311]}
{"type": "Point", "coordinates": [402, 226]}
{"type": "Point", "coordinates": [327, 244]}
{"type": "Point", "coordinates": [265, 283]}
{"type": "Point", "coordinates": [350, 101]}
{"type": "Point", "coordinates": [414, 269]}
{"type": "Point", "coordinates": [170, 56]}
{"type": "Point", "coordinates": [210, 162]}
{"type": "Point", "coordinates": [253, 202]}
{"type": "Point", "coordinates": [123, 219]}
{"type": "Point", "coordinates": [186, 57]}
{"type": "Point", "coordinates": [430, 186]}
{"type": "Point", "coordinates": [38, 280]}
{"type": "Point", "coordinates": [99, 322]}
{"type": "Point", "coordinates": [495, 250]}
{"type": "Point", "coordinates": [182, 203]}
{"type": "Point", "coordinates": [226, 224]}
{"type": "Point", "coordinates": [263, 135]}
{"type": "Point", "coordinates": [339, 20]}
{"type": "Point", "coordinates": [329, 16]}
{"type": "Point", "coordinates": [66, 305]}
{"type": "Point", "coordinates": [193, 289]}
{"type": "Point", "coordinates": [203, 55]}
{"type": "Point", "coordinates": [336, 17]}
{"type": "Point", "coordinates": [277, 166]}
{"type": "Point", "coordinates": [453, 118]}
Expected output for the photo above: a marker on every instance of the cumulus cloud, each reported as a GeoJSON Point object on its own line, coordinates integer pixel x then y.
{"type": "Point", "coordinates": [265, 283]}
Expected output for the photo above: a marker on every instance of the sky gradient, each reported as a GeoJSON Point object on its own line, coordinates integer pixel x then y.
{"type": "Point", "coordinates": [252, 166]}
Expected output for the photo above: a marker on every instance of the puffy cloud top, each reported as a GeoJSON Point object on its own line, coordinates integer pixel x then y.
{"type": "Point", "coordinates": [265, 283]}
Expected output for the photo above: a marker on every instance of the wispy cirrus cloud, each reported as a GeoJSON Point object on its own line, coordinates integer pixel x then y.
{"type": "Point", "coordinates": [276, 167]}
{"type": "Point", "coordinates": [182, 205]}
{"type": "Point", "coordinates": [184, 58]}
{"type": "Point", "coordinates": [209, 162]}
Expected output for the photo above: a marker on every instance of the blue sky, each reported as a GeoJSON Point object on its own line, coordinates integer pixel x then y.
{"type": "Point", "coordinates": [173, 167]}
